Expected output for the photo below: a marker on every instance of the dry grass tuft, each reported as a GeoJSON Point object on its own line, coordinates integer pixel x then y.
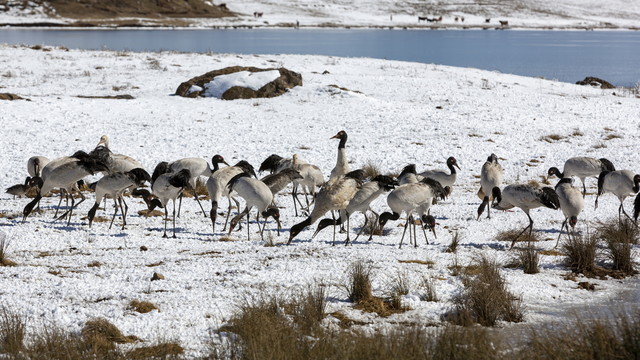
{"type": "Point", "coordinates": [12, 332]}
{"type": "Point", "coordinates": [101, 335]}
{"type": "Point", "coordinates": [429, 263]}
{"type": "Point", "coordinates": [581, 254]}
{"type": "Point", "coordinates": [359, 282]}
{"type": "Point", "coordinates": [372, 228]}
{"type": "Point", "coordinates": [550, 253]}
{"type": "Point", "coordinates": [428, 287]}
{"type": "Point", "coordinates": [510, 235]}
{"type": "Point", "coordinates": [485, 299]}
{"type": "Point", "coordinates": [142, 307]}
{"type": "Point", "coordinates": [599, 146]}
{"type": "Point", "coordinates": [577, 132]}
{"type": "Point", "coordinates": [95, 263]}
{"type": "Point", "coordinates": [618, 231]}
{"type": "Point", "coordinates": [455, 241]}
{"type": "Point", "coordinates": [4, 245]}
{"type": "Point", "coordinates": [552, 138]}
{"type": "Point", "coordinates": [612, 337]}
{"type": "Point", "coordinates": [612, 136]}
{"type": "Point", "coordinates": [371, 169]}
{"type": "Point", "coordinates": [147, 213]}
{"type": "Point", "coordinates": [167, 350]}
{"type": "Point", "coordinates": [529, 259]}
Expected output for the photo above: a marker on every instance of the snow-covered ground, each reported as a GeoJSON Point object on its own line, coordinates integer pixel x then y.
{"type": "Point", "coordinates": [559, 14]}
{"type": "Point", "coordinates": [395, 113]}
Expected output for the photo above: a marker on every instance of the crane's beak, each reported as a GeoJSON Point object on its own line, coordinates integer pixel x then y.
{"type": "Point", "coordinates": [336, 136]}
{"type": "Point", "coordinates": [226, 163]}
{"type": "Point", "coordinates": [456, 165]}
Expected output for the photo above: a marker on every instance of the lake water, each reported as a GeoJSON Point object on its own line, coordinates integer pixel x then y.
{"type": "Point", "coordinates": [563, 55]}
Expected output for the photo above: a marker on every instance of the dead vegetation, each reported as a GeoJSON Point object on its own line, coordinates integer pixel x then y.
{"type": "Point", "coordinates": [142, 307]}
{"type": "Point", "coordinates": [485, 299]}
{"type": "Point", "coordinates": [4, 245]}
{"type": "Point", "coordinates": [359, 292]}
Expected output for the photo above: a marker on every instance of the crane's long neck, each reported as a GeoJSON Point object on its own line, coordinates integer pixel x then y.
{"type": "Point", "coordinates": [451, 168]}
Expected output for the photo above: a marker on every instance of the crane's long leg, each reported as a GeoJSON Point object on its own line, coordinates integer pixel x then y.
{"type": "Point", "coordinates": [403, 232]}
{"type": "Point", "coordinates": [422, 226]}
{"type": "Point", "coordinates": [415, 232]}
{"type": "Point", "coordinates": [376, 225]}
{"type": "Point", "coordinates": [348, 227]}
{"type": "Point", "coordinates": [224, 228]}
{"type": "Point", "coordinates": [584, 189]}
{"type": "Point", "coordinates": [293, 194]}
{"type": "Point", "coordinates": [334, 228]}
{"type": "Point", "coordinates": [530, 227]}
{"type": "Point", "coordinates": [166, 220]}
{"type": "Point", "coordinates": [624, 212]}
{"type": "Point", "coordinates": [115, 212]}
{"type": "Point", "coordinates": [363, 227]}
{"type": "Point", "coordinates": [265, 224]}
{"type": "Point", "coordinates": [62, 193]}
{"type": "Point", "coordinates": [179, 204]}
{"type": "Point", "coordinates": [562, 227]}
{"type": "Point", "coordinates": [174, 219]}
{"type": "Point", "coordinates": [248, 232]}
{"type": "Point", "coordinates": [73, 206]}
{"type": "Point", "coordinates": [195, 195]}
{"type": "Point", "coordinates": [126, 210]}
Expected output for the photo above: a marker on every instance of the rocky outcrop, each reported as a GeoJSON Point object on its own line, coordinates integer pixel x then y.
{"type": "Point", "coordinates": [596, 82]}
{"type": "Point", "coordinates": [197, 86]}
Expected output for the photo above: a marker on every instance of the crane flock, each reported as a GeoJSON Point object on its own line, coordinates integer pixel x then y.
{"type": "Point", "coordinates": [345, 192]}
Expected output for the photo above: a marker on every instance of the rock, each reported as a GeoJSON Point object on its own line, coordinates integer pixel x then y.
{"type": "Point", "coordinates": [157, 276]}
{"type": "Point", "coordinates": [196, 86]}
{"type": "Point", "coordinates": [596, 82]}
{"type": "Point", "coordinates": [143, 248]}
{"type": "Point", "coordinates": [9, 96]}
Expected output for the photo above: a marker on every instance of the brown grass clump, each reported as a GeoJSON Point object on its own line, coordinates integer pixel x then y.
{"type": "Point", "coordinates": [102, 335]}
{"type": "Point", "coordinates": [619, 236]}
{"type": "Point", "coordinates": [612, 337]}
{"type": "Point", "coordinates": [372, 227]}
{"type": "Point", "coordinates": [529, 259]}
{"type": "Point", "coordinates": [485, 298]}
{"type": "Point", "coordinates": [167, 350]}
{"type": "Point", "coordinates": [52, 342]}
{"type": "Point", "coordinates": [142, 307]}
{"type": "Point", "coordinates": [12, 331]}
{"type": "Point", "coordinates": [147, 213]}
{"type": "Point", "coordinates": [581, 254]}
{"type": "Point", "coordinates": [552, 138]}
{"type": "Point", "coordinates": [455, 241]}
{"type": "Point", "coordinates": [428, 287]}
{"type": "Point", "coordinates": [371, 169]}
{"type": "Point", "coordinates": [4, 261]}
{"type": "Point", "coordinates": [510, 235]}
{"type": "Point", "coordinates": [359, 282]}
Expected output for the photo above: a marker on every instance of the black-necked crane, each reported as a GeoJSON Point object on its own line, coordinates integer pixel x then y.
{"type": "Point", "coordinates": [620, 183]}
{"type": "Point", "coordinates": [332, 196]}
{"type": "Point", "coordinates": [275, 163]}
{"type": "Point", "coordinates": [443, 177]}
{"type": "Point", "coordinates": [197, 167]}
{"type": "Point", "coordinates": [490, 177]}
{"type": "Point", "coordinates": [278, 181]}
{"type": "Point", "coordinates": [408, 175]}
{"type": "Point", "coordinates": [525, 197]}
{"type": "Point", "coordinates": [217, 187]}
{"type": "Point", "coordinates": [582, 167]}
{"type": "Point", "coordinates": [311, 179]}
{"type": "Point", "coordinates": [35, 165]}
{"type": "Point", "coordinates": [571, 204]}
{"type": "Point", "coordinates": [20, 189]}
{"type": "Point", "coordinates": [361, 202]}
{"type": "Point", "coordinates": [168, 186]}
{"type": "Point", "coordinates": [255, 194]}
{"type": "Point", "coordinates": [342, 163]}
{"type": "Point", "coordinates": [65, 176]}
{"type": "Point", "coordinates": [409, 198]}
{"type": "Point", "coordinates": [115, 185]}
{"type": "Point", "coordinates": [116, 162]}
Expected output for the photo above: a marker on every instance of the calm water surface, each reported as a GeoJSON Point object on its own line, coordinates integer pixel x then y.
{"type": "Point", "coordinates": [563, 55]}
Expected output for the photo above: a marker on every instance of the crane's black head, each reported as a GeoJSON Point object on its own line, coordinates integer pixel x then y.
{"type": "Point", "coordinates": [271, 163]}
{"type": "Point", "coordinates": [553, 171]}
{"type": "Point", "coordinates": [139, 176]}
{"type": "Point", "coordinates": [430, 223]}
{"type": "Point", "coordinates": [246, 167]}
{"type": "Point", "coordinates": [497, 195]}
{"type": "Point", "coordinates": [161, 168]}
{"type": "Point", "coordinates": [451, 162]}
{"type": "Point", "coordinates": [297, 228]}
{"type": "Point", "coordinates": [386, 182]}
{"type": "Point", "coordinates": [342, 135]}
{"type": "Point", "coordinates": [493, 158]}
{"type": "Point", "coordinates": [218, 159]}
{"type": "Point", "coordinates": [409, 169]}
{"type": "Point", "coordinates": [273, 212]}
{"type": "Point", "coordinates": [36, 181]}
{"type": "Point", "coordinates": [573, 221]}
{"type": "Point", "coordinates": [607, 165]}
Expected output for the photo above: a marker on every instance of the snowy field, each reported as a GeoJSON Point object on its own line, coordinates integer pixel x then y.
{"type": "Point", "coordinates": [395, 113]}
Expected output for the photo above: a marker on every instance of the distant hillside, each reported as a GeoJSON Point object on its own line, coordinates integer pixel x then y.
{"type": "Point", "coordinates": [97, 10]}
{"type": "Point", "coordinates": [486, 14]}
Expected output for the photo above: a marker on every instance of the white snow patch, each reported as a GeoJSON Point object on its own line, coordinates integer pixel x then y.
{"type": "Point", "coordinates": [246, 79]}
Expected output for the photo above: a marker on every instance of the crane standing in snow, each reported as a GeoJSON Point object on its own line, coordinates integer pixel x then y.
{"type": "Point", "coordinates": [620, 183]}
{"type": "Point", "coordinates": [490, 177]}
{"type": "Point", "coordinates": [571, 204]}
{"type": "Point", "coordinates": [582, 167]}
